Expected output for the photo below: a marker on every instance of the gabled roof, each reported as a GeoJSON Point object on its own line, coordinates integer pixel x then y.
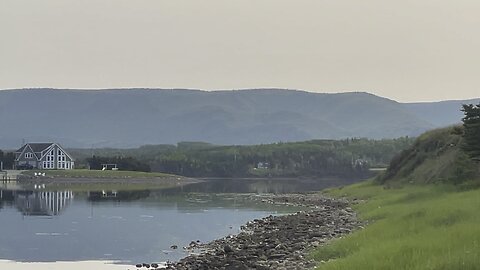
{"type": "Point", "coordinates": [39, 148]}
{"type": "Point", "coordinates": [36, 147]}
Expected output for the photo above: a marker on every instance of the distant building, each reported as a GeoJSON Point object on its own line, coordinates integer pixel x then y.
{"type": "Point", "coordinates": [263, 165]}
{"type": "Point", "coordinates": [44, 156]}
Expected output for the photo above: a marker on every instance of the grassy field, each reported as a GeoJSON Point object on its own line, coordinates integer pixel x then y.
{"type": "Point", "coordinates": [99, 174]}
{"type": "Point", "coordinates": [413, 227]}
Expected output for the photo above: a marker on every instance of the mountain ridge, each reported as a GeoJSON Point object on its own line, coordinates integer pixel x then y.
{"type": "Point", "coordinates": [131, 117]}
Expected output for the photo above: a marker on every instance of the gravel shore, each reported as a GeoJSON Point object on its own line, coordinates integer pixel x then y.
{"type": "Point", "coordinates": [276, 242]}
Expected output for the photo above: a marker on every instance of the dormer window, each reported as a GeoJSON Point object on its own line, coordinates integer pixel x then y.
{"type": "Point", "coordinates": [28, 155]}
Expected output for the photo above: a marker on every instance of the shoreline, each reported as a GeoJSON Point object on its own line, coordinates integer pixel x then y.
{"type": "Point", "coordinates": [74, 265]}
{"type": "Point", "coordinates": [276, 242]}
{"type": "Point", "coordinates": [108, 180]}
{"type": "Point", "coordinates": [91, 183]}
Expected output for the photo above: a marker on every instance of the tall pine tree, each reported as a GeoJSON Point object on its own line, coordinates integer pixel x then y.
{"type": "Point", "coordinates": [471, 136]}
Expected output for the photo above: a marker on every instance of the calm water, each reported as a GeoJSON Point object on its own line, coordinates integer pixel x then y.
{"type": "Point", "coordinates": [130, 225]}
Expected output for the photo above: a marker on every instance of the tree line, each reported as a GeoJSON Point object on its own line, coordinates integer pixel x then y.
{"type": "Point", "coordinates": [346, 157]}
{"type": "Point", "coordinates": [8, 159]}
{"type": "Point", "coordinates": [123, 163]}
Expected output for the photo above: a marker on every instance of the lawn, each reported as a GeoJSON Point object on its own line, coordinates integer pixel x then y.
{"type": "Point", "coordinates": [412, 227]}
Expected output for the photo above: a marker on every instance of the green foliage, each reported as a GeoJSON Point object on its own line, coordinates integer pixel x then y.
{"type": "Point", "coordinates": [471, 124]}
{"type": "Point", "coordinates": [412, 227]}
{"type": "Point", "coordinates": [311, 158]}
{"type": "Point", "coordinates": [435, 156]}
{"type": "Point", "coordinates": [123, 163]}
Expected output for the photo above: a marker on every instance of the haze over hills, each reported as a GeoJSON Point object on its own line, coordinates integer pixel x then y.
{"type": "Point", "coordinates": [133, 117]}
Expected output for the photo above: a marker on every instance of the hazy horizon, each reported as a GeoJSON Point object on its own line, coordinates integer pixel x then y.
{"type": "Point", "coordinates": [408, 51]}
{"type": "Point", "coordinates": [219, 90]}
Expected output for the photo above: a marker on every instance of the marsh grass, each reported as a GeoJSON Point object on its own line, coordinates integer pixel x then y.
{"type": "Point", "coordinates": [412, 227]}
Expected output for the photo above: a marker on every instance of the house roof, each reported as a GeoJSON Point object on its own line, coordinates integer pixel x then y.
{"type": "Point", "coordinates": [36, 147]}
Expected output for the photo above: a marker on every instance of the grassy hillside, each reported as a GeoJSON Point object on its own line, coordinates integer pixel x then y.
{"type": "Point", "coordinates": [422, 214]}
{"type": "Point", "coordinates": [412, 228]}
{"type": "Point", "coordinates": [435, 157]}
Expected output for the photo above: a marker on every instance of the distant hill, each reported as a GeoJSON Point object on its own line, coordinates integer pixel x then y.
{"type": "Point", "coordinates": [441, 113]}
{"type": "Point", "coordinates": [133, 117]}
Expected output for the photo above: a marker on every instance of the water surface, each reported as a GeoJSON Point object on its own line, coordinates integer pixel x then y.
{"type": "Point", "coordinates": [47, 224]}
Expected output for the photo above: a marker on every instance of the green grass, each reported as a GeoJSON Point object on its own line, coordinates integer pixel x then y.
{"type": "Point", "coordinates": [83, 187]}
{"type": "Point", "coordinates": [82, 173]}
{"type": "Point", "coordinates": [413, 227]}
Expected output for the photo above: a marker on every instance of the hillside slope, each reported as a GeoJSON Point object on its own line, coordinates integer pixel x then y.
{"type": "Point", "coordinates": [435, 157]}
{"type": "Point", "coordinates": [422, 215]}
{"type": "Point", "coordinates": [133, 117]}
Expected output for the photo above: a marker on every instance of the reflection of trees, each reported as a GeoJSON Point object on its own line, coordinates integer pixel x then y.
{"type": "Point", "coordinates": [42, 203]}
{"type": "Point", "coordinates": [261, 185]}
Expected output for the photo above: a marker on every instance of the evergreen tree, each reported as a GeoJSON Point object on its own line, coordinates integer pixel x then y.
{"type": "Point", "coordinates": [471, 124]}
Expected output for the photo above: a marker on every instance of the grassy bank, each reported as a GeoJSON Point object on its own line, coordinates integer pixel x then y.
{"type": "Point", "coordinates": [412, 227]}
{"type": "Point", "coordinates": [88, 180]}
{"type": "Point", "coordinates": [81, 173]}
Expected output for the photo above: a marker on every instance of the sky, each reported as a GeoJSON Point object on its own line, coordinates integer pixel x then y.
{"type": "Point", "coordinates": [409, 50]}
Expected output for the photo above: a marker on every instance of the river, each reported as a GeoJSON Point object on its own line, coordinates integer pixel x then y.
{"type": "Point", "coordinates": [124, 227]}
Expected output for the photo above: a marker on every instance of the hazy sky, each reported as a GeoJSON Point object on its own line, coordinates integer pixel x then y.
{"type": "Point", "coordinates": [407, 50]}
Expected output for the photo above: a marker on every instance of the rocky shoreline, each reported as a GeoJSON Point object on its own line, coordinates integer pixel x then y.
{"type": "Point", "coordinates": [276, 242]}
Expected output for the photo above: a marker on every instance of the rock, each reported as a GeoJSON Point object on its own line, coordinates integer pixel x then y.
{"type": "Point", "coordinates": [276, 242]}
{"type": "Point", "coordinates": [227, 249]}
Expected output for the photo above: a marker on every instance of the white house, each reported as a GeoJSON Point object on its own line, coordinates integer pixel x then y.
{"type": "Point", "coordinates": [43, 156]}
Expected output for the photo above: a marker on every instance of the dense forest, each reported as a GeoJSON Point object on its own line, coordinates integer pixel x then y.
{"type": "Point", "coordinates": [346, 157]}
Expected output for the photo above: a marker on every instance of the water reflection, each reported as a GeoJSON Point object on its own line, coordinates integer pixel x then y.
{"type": "Point", "coordinates": [112, 223]}
{"type": "Point", "coordinates": [120, 196]}
{"type": "Point", "coordinates": [42, 203]}
{"type": "Point", "coordinates": [259, 186]}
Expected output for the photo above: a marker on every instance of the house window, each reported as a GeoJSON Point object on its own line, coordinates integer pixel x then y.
{"type": "Point", "coordinates": [61, 155]}
{"type": "Point", "coordinates": [50, 160]}
{"type": "Point", "coordinates": [28, 155]}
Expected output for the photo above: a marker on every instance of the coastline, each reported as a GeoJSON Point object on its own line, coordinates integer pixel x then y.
{"type": "Point", "coordinates": [90, 183]}
{"type": "Point", "coordinates": [276, 242]}
{"type": "Point", "coordinates": [273, 242]}
{"type": "Point", "coordinates": [109, 180]}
